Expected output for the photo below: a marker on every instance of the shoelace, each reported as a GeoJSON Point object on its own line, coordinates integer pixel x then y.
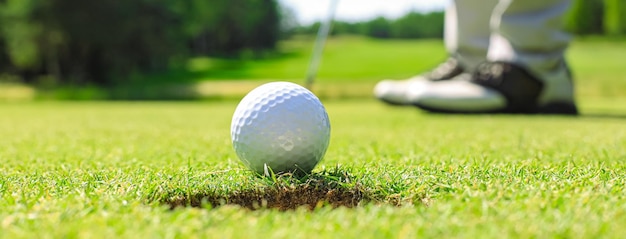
{"type": "Point", "coordinates": [491, 73]}
{"type": "Point", "coordinates": [445, 70]}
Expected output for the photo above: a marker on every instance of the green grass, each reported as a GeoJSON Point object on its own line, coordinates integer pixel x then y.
{"type": "Point", "coordinates": [344, 59]}
{"type": "Point", "coordinates": [349, 68]}
{"type": "Point", "coordinates": [597, 67]}
{"type": "Point", "coordinates": [115, 169]}
{"type": "Point", "coordinates": [77, 170]}
{"type": "Point", "coordinates": [352, 65]}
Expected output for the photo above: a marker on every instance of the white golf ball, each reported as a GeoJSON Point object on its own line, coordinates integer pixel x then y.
{"type": "Point", "coordinates": [280, 126]}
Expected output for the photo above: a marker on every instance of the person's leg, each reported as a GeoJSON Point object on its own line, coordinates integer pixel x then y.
{"type": "Point", "coordinates": [525, 71]}
{"type": "Point", "coordinates": [467, 40]}
{"type": "Point", "coordinates": [529, 33]}
{"type": "Point", "coordinates": [467, 30]}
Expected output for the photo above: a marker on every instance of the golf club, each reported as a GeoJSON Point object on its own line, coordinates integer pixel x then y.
{"type": "Point", "coordinates": [318, 48]}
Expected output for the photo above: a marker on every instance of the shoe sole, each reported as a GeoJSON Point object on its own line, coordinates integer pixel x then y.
{"type": "Point", "coordinates": [558, 108]}
{"type": "Point", "coordinates": [555, 108]}
{"type": "Point", "coordinates": [393, 103]}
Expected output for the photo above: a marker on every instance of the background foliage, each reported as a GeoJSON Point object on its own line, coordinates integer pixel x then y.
{"type": "Point", "coordinates": [48, 43]}
{"type": "Point", "coordinates": [413, 25]}
{"type": "Point", "coordinates": [93, 41]}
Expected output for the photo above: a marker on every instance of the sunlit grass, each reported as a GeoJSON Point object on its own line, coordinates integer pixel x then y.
{"type": "Point", "coordinates": [107, 170]}
{"type": "Point", "coordinates": [350, 67]}
{"type": "Point", "coordinates": [116, 169]}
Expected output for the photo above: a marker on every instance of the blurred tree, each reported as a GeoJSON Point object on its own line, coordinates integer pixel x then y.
{"type": "Point", "coordinates": [379, 27]}
{"type": "Point", "coordinates": [288, 22]}
{"type": "Point", "coordinates": [615, 17]}
{"type": "Point", "coordinates": [19, 33]}
{"type": "Point", "coordinates": [235, 25]}
{"type": "Point", "coordinates": [418, 25]}
{"type": "Point", "coordinates": [585, 17]}
{"type": "Point", "coordinates": [310, 29]}
{"type": "Point", "coordinates": [4, 58]}
{"type": "Point", "coordinates": [98, 41]}
{"type": "Point", "coordinates": [412, 25]}
{"type": "Point", "coordinates": [347, 28]}
{"type": "Point", "coordinates": [95, 41]}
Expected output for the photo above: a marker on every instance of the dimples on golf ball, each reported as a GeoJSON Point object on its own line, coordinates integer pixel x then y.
{"type": "Point", "coordinates": [281, 125]}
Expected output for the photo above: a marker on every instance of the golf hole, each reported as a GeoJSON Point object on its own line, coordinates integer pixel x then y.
{"type": "Point", "coordinates": [332, 188]}
{"type": "Point", "coordinates": [309, 196]}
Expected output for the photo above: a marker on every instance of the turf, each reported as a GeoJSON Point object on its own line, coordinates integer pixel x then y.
{"type": "Point", "coordinates": [345, 58]}
{"type": "Point", "coordinates": [168, 170]}
{"type": "Point", "coordinates": [77, 170]}
{"type": "Point", "coordinates": [352, 65]}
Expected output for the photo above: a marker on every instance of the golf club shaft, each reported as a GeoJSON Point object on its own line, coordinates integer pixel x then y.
{"type": "Point", "coordinates": [318, 48]}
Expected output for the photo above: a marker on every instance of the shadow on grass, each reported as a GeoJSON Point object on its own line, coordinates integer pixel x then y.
{"type": "Point", "coordinates": [615, 116]}
{"type": "Point", "coordinates": [210, 69]}
{"type": "Point", "coordinates": [286, 192]}
{"type": "Point", "coordinates": [604, 116]}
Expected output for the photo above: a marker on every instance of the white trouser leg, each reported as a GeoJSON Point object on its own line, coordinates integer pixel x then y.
{"type": "Point", "coordinates": [530, 33]}
{"type": "Point", "coordinates": [467, 30]}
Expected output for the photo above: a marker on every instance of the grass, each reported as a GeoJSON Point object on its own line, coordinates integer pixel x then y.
{"type": "Point", "coordinates": [284, 192]}
{"type": "Point", "coordinates": [350, 68]}
{"type": "Point", "coordinates": [77, 170]}
{"type": "Point", "coordinates": [166, 169]}
{"type": "Point", "coordinates": [350, 58]}
{"type": "Point", "coordinates": [352, 65]}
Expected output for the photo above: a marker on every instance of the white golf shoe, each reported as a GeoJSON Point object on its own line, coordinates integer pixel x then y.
{"type": "Point", "coordinates": [403, 92]}
{"type": "Point", "coordinates": [500, 87]}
